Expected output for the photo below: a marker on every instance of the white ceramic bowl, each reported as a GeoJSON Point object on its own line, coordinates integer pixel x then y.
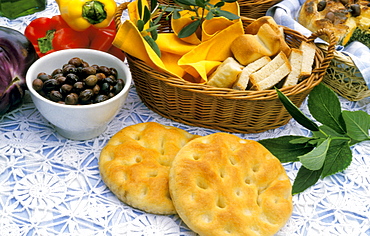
{"type": "Point", "coordinates": [79, 122]}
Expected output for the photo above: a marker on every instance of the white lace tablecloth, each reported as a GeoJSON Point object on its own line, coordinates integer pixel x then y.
{"type": "Point", "coordinates": [50, 185]}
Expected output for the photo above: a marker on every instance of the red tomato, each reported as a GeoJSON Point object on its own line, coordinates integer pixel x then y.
{"type": "Point", "coordinates": [66, 38]}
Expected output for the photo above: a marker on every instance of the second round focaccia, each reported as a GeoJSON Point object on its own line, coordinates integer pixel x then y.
{"type": "Point", "coordinates": [221, 184]}
{"type": "Point", "coordinates": [135, 164]}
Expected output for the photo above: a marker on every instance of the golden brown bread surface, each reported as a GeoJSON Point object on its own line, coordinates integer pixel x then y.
{"type": "Point", "coordinates": [341, 17]}
{"type": "Point", "coordinates": [221, 184]}
{"type": "Point", "coordinates": [135, 164]}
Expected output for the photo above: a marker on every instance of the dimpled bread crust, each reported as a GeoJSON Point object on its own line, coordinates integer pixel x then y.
{"type": "Point", "coordinates": [221, 184]}
{"type": "Point", "coordinates": [135, 165]}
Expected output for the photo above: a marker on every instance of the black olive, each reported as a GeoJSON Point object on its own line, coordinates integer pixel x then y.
{"type": "Point", "coordinates": [69, 69]}
{"type": "Point", "coordinates": [96, 89]}
{"type": "Point", "coordinates": [50, 84]}
{"type": "Point", "coordinates": [55, 96]}
{"type": "Point", "coordinates": [71, 78]}
{"type": "Point", "coordinates": [43, 76]}
{"type": "Point", "coordinates": [321, 5]}
{"type": "Point", "coordinates": [86, 95]}
{"type": "Point", "coordinates": [100, 77]}
{"type": "Point", "coordinates": [57, 71]}
{"type": "Point", "coordinates": [113, 72]}
{"type": "Point", "coordinates": [105, 88]}
{"type": "Point", "coordinates": [84, 64]}
{"type": "Point", "coordinates": [355, 10]}
{"type": "Point", "coordinates": [110, 80]}
{"type": "Point", "coordinates": [75, 61]}
{"type": "Point", "coordinates": [37, 84]}
{"type": "Point", "coordinates": [344, 2]}
{"type": "Point", "coordinates": [78, 87]}
{"type": "Point", "coordinates": [101, 98]}
{"type": "Point", "coordinates": [91, 80]}
{"type": "Point", "coordinates": [89, 70]}
{"type": "Point", "coordinates": [96, 68]}
{"type": "Point", "coordinates": [57, 75]}
{"type": "Point", "coordinates": [71, 99]}
{"type": "Point", "coordinates": [119, 86]}
{"type": "Point", "coordinates": [61, 79]}
{"type": "Point", "coordinates": [66, 89]}
{"type": "Point", "coordinates": [105, 70]}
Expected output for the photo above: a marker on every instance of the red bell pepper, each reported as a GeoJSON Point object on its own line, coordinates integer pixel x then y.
{"type": "Point", "coordinates": [53, 34]}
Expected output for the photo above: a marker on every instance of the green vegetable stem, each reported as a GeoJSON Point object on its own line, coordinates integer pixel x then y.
{"type": "Point", "coordinates": [328, 150]}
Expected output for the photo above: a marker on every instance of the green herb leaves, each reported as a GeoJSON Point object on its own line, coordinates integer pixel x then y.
{"type": "Point", "coordinates": [328, 150]}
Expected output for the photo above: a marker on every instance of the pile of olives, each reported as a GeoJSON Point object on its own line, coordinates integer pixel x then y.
{"type": "Point", "coordinates": [78, 83]}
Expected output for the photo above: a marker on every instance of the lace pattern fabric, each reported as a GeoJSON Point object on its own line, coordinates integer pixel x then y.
{"type": "Point", "coordinates": [50, 185]}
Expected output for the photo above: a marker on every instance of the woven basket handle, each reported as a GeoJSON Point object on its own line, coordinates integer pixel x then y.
{"type": "Point", "coordinates": [329, 54]}
{"type": "Point", "coordinates": [118, 14]}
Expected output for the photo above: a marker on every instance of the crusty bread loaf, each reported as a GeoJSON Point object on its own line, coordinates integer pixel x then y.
{"type": "Point", "coordinates": [222, 185]}
{"type": "Point", "coordinates": [243, 79]}
{"type": "Point", "coordinates": [309, 50]}
{"type": "Point", "coordinates": [135, 164]}
{"type": "Point", "coordinates": [271, 74]}
{"type": "Point", "coordinates": [253, 28]}
{"type": "Point", "coordinates": [226, 74]}
{"type": "Point", "coordinates": [295, 59]}
{"type": "Point", "coordinates": [250, 47]}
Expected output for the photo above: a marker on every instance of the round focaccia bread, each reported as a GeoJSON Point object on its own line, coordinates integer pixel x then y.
{"type": "Point", "coordinates": [221, 184]}
{"type": "Point", "coordinates": [348, 19]}
{"type": "Point", "coordinates": [135, 164]}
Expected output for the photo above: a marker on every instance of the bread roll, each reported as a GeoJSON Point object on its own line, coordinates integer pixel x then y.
{"type": "Point", "coordinates": [226, 74]}
{"type": "Point", "coordinates": [249, 47]}
{"type": "Point", "coordinates": [255, 25]}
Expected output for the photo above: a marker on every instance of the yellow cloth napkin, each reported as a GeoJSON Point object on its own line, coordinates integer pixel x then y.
{"type": "Point", "coordinates": [191, 60]}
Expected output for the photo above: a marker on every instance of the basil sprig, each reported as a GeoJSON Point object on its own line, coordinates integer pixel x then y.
{"type": "Point", "coordinates": [328, 150]}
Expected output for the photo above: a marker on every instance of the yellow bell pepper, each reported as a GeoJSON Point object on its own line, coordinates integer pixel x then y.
{"type": "Point", "coordinates": [81, 14]}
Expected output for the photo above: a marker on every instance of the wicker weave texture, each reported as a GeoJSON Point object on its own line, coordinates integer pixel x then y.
{"type": "Point", "coordinates": [225, 109]}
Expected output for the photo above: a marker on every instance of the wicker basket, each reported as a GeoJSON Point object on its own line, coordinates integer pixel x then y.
{"type": "Point", "coordinates": [222, 108]}
{"type": "Point", "coordinates": [343, 77]}
{"type": "Point", "coordinates": [251, 9]}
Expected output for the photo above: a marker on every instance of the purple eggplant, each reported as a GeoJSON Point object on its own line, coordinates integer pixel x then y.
{"type": "Point", "coordinates": [16, 56]}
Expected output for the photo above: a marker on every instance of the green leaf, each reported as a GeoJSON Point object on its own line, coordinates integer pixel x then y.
{"type": "Point", "coordinates": [358, 124]}
{"type": "Point", "coordinates": [209, 16]}
{"type": "Point", "coordinates": [176, 14]}
{"type": "Point", "coordinates": [228, 15]}
{"type": "Point", "coordinates": [153, 31]}
{"type": "Point", "coordinates": [140, 8]}
{"type": "Point", "coordinates": [219, 4]}
{"type": "Point", "coordinates": [153, 5]}
{"type": "Point", "coordinates": [296, 113]}
{"type": "Point", "coordinates": [147, 15]}
{"type": "Point", "coordinates": [189, 29]}
{"type": "Point", "coordinates": [324, 106]}
{"type": "Point", "coordinates": [284, 150]}
{"type": "Point", "coordinates": [315, 159]}
{"type": "Point", "coordinates": [200, 3]}
{"type": "Point", "coordinates": [305, 178]}
{"type": "Point", "coordinates": [156, 20]}
{"type": "Point", "coordinates": [338, 157]}
{"type": "Point", "coordinates": [186, 2]}
{"type": "Point", "coordinates": [140, 25]}
{"type": "Point", "coordinates": [153, 45]}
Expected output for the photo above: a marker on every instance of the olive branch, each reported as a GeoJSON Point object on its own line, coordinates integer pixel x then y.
{"type": "Point", "coordinates": [203, 10]}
